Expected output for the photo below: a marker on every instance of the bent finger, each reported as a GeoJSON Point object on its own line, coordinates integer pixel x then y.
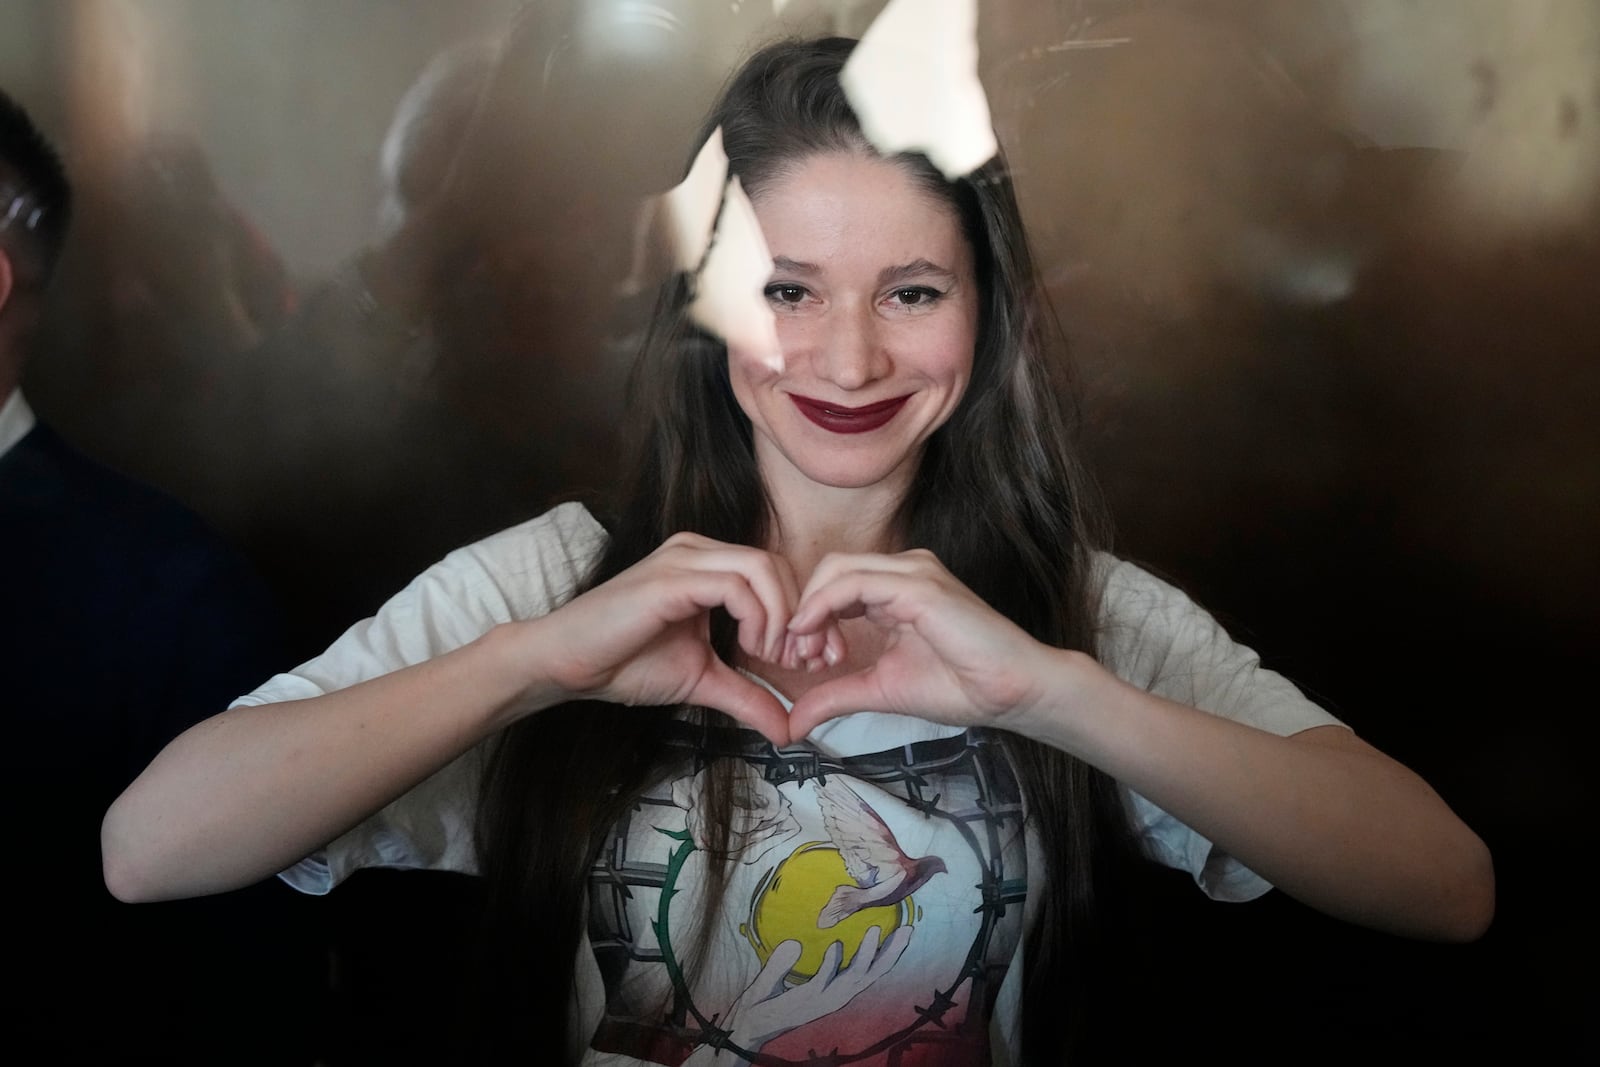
{"type": "Point", "coordinates": [849, 594]}
{"type": "Point", "coordinates": [704, 590]}
{"type": "Point", "coordinates": [835, 564]}
{"type": "Point", "coordinates": [769, 578]}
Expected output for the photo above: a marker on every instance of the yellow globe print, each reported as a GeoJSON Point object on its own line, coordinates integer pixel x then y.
{"type": "Point", "coordinates": [785, 906]}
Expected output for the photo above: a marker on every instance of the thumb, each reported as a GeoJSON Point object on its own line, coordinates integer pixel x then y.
{"type": "Point", "coordinates": [728, 691]}
{"type": "Point", "coordinates": [842, 696]}
{"type": "Point", "coordinates": [770, 982]}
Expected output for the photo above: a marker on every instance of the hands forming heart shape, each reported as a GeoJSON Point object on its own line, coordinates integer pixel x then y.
{"type": "Point", "coordinates": [642, 638]}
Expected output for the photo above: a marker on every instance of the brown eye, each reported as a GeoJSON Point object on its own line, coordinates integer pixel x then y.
{"type": "Point", "coordinates": [915, 296]}
{"type": "Point", "coordinates": [785, 294]}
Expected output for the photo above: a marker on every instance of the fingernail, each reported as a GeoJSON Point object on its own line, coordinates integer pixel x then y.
{"type": "Point", "coordinates": [830, 654]}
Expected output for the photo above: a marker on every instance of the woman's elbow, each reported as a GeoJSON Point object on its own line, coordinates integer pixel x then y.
{"type": "Point", "coordinates": [1478, 910]}
{"type": "Point", "coordinates": [127, 874]}
{"type": "Point", "coordinates": [121, 876]}
{"type": "Point", "coordinates": [1466, 906]}
{"type": "Point", "coordinates": [122, 884]}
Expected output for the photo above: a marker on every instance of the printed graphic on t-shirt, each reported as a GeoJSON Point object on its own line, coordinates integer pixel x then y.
{"type": "Point", "coordinates": [868, 916]}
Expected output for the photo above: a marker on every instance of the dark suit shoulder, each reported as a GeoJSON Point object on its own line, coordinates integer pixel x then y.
{"type": "Point", "coordinates": [124, 583]}
{"type": "Point", "coordinates": [46, 485]}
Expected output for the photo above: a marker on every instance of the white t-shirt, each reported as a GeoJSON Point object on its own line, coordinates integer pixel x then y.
{"type": "Point", "coordinates": [886, 856]}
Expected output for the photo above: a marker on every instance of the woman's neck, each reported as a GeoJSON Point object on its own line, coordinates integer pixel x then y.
{"type": "Point", "coordinates": [812, 520]}
{"type": "Point", "coordinates": [803, 535]}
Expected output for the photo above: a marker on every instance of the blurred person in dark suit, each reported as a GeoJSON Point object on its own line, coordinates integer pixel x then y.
{"type": "Point", "coordinates": [123, 620]}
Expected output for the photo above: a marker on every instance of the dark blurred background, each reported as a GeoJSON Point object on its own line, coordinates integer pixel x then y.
{"type": "Point", "coordinates": [346, 280]}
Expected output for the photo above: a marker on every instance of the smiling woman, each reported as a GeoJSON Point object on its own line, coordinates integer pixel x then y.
{"type": "Point", "coordinates": [847, 622]}
{"type": "Point", "coordinates": [876, 302]}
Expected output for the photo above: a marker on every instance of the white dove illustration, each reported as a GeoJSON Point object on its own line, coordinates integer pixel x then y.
{"type": "Point", "coordinates": [883, 873]}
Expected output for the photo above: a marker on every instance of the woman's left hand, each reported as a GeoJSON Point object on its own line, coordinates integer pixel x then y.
{"type": "Point", "coordinates": [1384, 850]}
{"type": "Point", "coordinates": [950, 657]}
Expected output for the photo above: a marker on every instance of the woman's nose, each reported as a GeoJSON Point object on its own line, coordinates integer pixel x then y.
{"type": "Point", "coordinates": [853, 353]}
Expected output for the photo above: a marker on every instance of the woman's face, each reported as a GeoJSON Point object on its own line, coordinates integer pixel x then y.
{"type": "Point", "coordinates": [876, 301]}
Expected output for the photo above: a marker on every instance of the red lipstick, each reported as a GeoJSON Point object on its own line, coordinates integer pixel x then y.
{"type": "Point", "coordinates": [836, 418]}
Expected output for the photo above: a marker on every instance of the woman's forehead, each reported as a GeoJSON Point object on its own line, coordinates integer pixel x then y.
{"type": "Point", "coordinates": [827, 161]}
{"type": "Point", "coordinates": [857, 201]}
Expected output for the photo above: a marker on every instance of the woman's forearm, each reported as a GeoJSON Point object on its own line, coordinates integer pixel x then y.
{"type": "Point", "coordinates": [245, 794]}
{"type": "Point", "coordinates": [1322, 815]}
{"type": "Point", "coordinates": [251, 791]}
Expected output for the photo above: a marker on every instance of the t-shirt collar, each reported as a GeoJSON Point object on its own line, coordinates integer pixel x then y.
{"type": "Point", "coordinates": [864, 732]}
{"type": "Point", "coordinates": [16, 421]}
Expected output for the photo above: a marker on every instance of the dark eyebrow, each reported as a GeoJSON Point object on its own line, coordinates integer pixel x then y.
{"type": "Point", "coordinates": [917, 268]}
{"type": "Point", "coordinates": [792, 266]}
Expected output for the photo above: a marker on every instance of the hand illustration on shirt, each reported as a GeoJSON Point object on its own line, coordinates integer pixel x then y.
{"type": "Point", "coordinates": [769, 1007]}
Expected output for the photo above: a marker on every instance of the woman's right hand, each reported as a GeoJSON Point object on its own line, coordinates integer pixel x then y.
{"type": "Point", "coordinates": [250, 791]}
{"type": "Point", "coordinates": [643, 637]}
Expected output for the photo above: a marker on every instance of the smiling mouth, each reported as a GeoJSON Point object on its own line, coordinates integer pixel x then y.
{"type": "Point", "coordinates": [836, 418]}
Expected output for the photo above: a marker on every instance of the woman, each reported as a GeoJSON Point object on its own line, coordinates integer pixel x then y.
{"type": "Point", "coordinates": [893, 526]}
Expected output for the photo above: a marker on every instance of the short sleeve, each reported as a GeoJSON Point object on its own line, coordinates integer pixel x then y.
{"type": "Point", "coordinates": [520, 573]}
{"type": "Point", "coordinates": [1154, 636]}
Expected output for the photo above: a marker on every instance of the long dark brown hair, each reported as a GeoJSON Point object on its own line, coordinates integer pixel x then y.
{"type": "Point", "coordinates": [999, 498]}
